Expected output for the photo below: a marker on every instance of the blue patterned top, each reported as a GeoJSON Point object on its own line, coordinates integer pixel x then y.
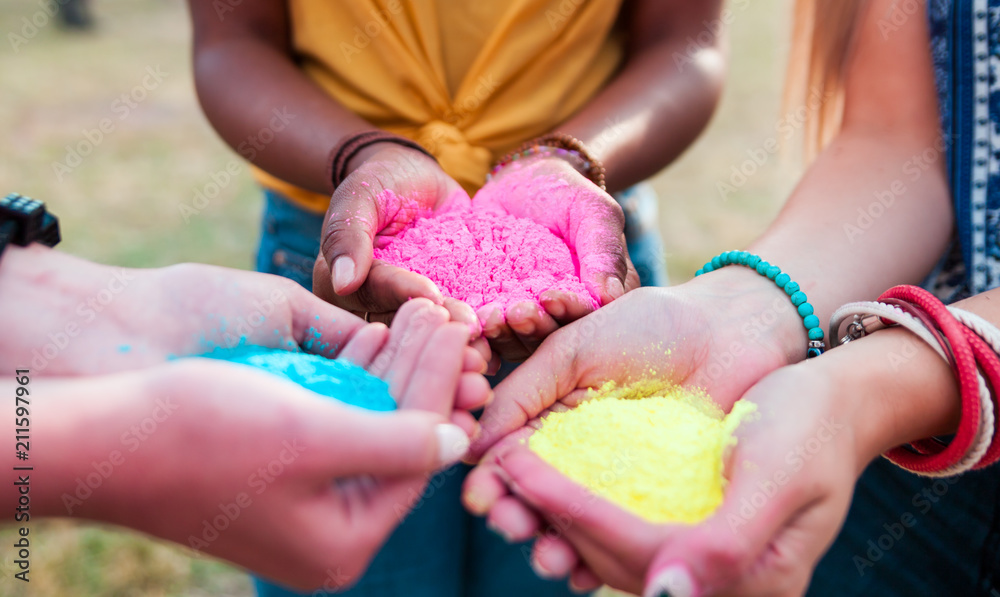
{"type": "Point", "coordinates": [965, 44]}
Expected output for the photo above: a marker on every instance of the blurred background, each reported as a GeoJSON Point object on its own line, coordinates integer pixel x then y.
{"type": "Point", "coordinates": [153, 190]}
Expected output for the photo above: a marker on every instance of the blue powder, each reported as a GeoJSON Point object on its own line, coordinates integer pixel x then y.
{"type": "Point", "coordinates": [340, 380]}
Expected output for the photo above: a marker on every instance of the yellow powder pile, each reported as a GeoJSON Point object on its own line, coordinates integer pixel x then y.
{"type": "Point", "coordinates": [652, 449]}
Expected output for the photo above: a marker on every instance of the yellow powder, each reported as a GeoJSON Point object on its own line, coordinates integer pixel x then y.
{"type": "Point", "coordinates": [653, 449]}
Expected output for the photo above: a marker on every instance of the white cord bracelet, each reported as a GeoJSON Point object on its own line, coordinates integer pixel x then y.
{"type": "Point", "coordinates": [861, 310]}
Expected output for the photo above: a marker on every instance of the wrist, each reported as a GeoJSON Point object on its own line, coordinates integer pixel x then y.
{"type": "Point", "coordinates": [82, 425]}
{"type": "Point", "coordinates": [354, 149]}
{"type": "Point", "coordinates": [899, 389]}
{"type": "Point", "coordinates": [40, 293]}
{"type": "Point", "coordinates": [383, 150]}
{"type": "Point", "coordinates": [762, 312]}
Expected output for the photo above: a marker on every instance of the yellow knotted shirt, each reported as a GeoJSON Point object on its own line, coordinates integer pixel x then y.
{"type": "Point", "coordinates": [469, 80]}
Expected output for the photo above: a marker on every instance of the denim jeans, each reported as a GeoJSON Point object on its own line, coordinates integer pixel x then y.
{"type": "Point", "coordinates": [440, 550]}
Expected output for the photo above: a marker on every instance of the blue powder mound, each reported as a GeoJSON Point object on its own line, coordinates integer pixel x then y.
{"type": "Point", "coordinates": [340, 380]}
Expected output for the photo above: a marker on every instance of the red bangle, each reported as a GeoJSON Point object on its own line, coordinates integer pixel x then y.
{"type": "Point", "coordinates": [986, 358]}
{"type": "Point", "coordinates": [931, 456]}
{"type": "Point", "coordinates": [349, 146]}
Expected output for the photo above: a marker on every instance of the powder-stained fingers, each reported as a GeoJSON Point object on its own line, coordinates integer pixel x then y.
{"type": "Point", "coordinates": [434, 382]}
{"type": "Point", "coordinates": [366, 343]}
{"type": "Point", "coordinates": [413, 326]}
{"type": "Point", "coordinates": [486, 483]}
{"type": "Point", "coordinates": [317, 326]}
{"type": "Point", "coordinates": [600, 246]}
{"type": "Point", "coordinates": [513, 521]}
{"type": "Point", "coordinates": [531, 323]}
{"type": "Point", "coordinates": [463, 313]}
{"type": "Point", "coordinates": [502, 339]}
{"type": "Point", "coordinates": [565, 307]}
{"type": "Point", "coordinates": [544, 488]}
{"type": "Point", "coordinates": [349, 229]}
{"type": "Point", "coordinates": [387, 288]}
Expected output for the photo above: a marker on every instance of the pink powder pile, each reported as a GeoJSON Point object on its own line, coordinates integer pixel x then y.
{"type": "Point", "coordinates": [481, 257]}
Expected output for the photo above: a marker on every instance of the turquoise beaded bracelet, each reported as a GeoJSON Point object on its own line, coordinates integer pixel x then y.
{"type": "Point", "coordinates": [817, 345]}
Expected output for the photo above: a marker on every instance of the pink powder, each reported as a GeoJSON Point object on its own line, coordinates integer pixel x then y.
{"type": "Point", "coordinates": [480, 257]}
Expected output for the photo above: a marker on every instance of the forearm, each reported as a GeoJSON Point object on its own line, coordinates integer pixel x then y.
{"type": "Point", "coordinates": [859, 223]}
{"type": "Point", "coordinates": [41, 291]}
{"type": "Point", "coordinates": [272, 94]}
{"type": "Point", "coordinates": [77, 441]}
{"type": "Point", "coordinates": [898, 388]}
{"type": "Point", "coordinates": [651, 112]}
{"type": "Point", "coordinates": [848, 232]}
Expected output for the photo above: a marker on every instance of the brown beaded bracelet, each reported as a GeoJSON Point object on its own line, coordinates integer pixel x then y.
{"type": "Point", "coordinates": [592, 168]}
{"type": "Point", "coordinates": [349, 146]}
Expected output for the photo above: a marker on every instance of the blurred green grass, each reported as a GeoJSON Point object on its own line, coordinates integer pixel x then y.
{"type": "Point", "coordinates": [121, 206]}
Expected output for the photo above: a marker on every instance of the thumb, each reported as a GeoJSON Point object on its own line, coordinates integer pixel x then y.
{"type": "Point", "coordinates": [599, 241]}
{"type": "Point", "coordinates": [718, 553]}
{"type": "Point", "coordinates": [548, 375]}
{"type": "Point", "coordinates": [349, 229]}
{"type": "Point", "coordinates": [393, 444]}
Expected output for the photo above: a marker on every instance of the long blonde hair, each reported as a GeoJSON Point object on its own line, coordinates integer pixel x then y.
{"type": "Point", "coordinates": [822, 40]}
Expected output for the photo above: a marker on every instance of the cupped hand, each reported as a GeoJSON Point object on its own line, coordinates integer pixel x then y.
{"type": "Point", "coordinates": [377, 201]}
{"type": "Point", "coordinates": [550, 191]}
{"type": "Point", "coordinates": [253, 469]}
{"type": "Point", "coordinates": [392, 187]}
{"type": "Point", "coordinates": [791, 477]}
{"type": "Point", "coordinates": [694, 335]}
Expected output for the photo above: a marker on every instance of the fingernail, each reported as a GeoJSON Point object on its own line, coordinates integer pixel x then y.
{"type": "Point", "coordinates": [474, 504]}
{"type": "Point", "coordinates": [453, 443]}
{"type": "Point", "coordinates": [614, 288]}
{"type": "Point", "coordinates": [343, 272]}
{"type": "Point", "coordinates": [577, 589]}
{"type": "Point", "coordinates": [498, 531]}
{"type": "Point", "coordinates": [673, 581]}
{"type": "Point", "coordinates": [540, 570]}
